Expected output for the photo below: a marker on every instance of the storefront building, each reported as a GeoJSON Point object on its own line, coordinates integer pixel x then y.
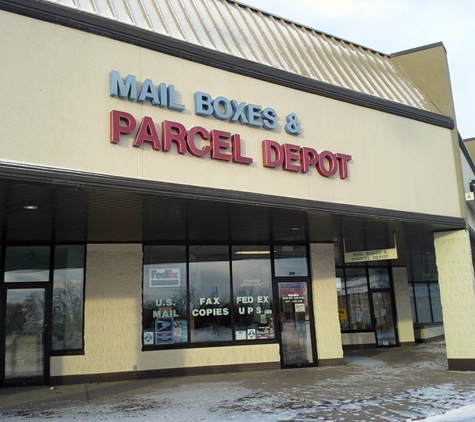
{"type": "Point", "coordinates": [198, 186]}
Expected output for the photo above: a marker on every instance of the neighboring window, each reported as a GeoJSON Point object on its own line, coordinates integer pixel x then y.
{"type": "Point", "coordinates": [252, 281]}
{"type": "Point", "coordinates": [207, 294]}
{"type": "Point", "coordinates": [68, 298]}
{"type": "Point", "coordinates": [358, 300]}
{"type": "Point", "coordinates": [425, 302]}
{"type": "Point", "coordinates": [27, 264]}
{"type": "Point", "coordinates": [354, 286]}
{"type": "Point", "coordinates": [342, 302]}
{"type": "Point", "coordinates": [435, 301]}
{"type": "Point", "coordinates": [424, 289]}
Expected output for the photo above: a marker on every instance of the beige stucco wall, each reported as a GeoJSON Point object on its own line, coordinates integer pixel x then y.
{"type": "Point", "coordinates": [405, 326]}
{"type": "Point", "coordinates": [56, 113]}
{"type": "Point", "coordinates": [325, 303]}
{"type": "Point", "coordinates": [113, 323]}
{"type": "Point", "coordinates": [457, 292]}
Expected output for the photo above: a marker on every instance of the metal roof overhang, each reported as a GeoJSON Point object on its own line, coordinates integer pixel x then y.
{"type": "Point", "coordinates": [96, 24]}
{"type": "Point", "coordinates": [82, 207]}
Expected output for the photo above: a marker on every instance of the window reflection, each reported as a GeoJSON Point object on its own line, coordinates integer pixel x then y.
{"type": "Point", "coordinates": [358, 300]}
{"type": "Point", "coordinates": [68, 298]}
{"type": "Point", "coordinates": [252, 283]}
{"type": "Point", "coordinates": [165, 301]}
{"type": "Point", "coordinates": [342, 301]}
{"type": "Point", "coordinates": [210, 294]}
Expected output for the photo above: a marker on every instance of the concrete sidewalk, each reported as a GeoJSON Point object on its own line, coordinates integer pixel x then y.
{"type": "Point", "coordinates": [374, 385]}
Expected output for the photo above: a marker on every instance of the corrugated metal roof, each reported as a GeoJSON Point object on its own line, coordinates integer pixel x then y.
{"type": "Point", "coordinates": [236, 29]}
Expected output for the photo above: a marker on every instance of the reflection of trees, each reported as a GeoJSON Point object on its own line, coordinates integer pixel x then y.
{"type": "Point", "coordinates": [245, 319]}
{"type": "Point", "coordinates": [25, 315]}
{"type": "Point", "coordinates": [67, 314]}
{"type": "Point", "coordinates": [179, 300]}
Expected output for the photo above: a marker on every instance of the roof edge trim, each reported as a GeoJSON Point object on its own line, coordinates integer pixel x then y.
{"type": "Point", "coordinates": [416, 49]}
{"type": "Point", "coordinates": [79, 180]}
{"type": "Point", "coordinates": [129, 34]}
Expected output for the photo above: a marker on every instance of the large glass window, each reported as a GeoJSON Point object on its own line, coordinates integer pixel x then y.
{"type": "Point", "coordinates": [68, 298]}
{"type": "Point", "coordinates": [356, 287]}
{"type": "Point", "coordinates": [425, 302]}
{"type": "Point", "coordinates": [207, 294]}
{"type": "Point", "coordinates": [342, 302]}
{"type": "Point", "coordinates": [165, 300]}
{"type": "Point", "coordinates": [210, 294]}
{"type": "Point", "coordinates": [424, 289]}
{"type": "Point", "coordinates": [252, 281]}
{"type": "Point", "coordinates": [358, 299]}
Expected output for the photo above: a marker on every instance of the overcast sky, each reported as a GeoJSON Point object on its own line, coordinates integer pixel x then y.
{"type": "Point", "coordinates": [390, 26]}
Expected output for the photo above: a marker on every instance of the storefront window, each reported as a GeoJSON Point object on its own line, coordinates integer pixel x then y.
{"type": "Point", "coordinates": [358, 300]}
{"type": "Point", "coordinates": [165, 300]}
{"type": "Point", "coordinates": [207, 294]}
{"type": "Point", "coordinates": [422, 303]}
{"type": "Point", "coordinates": [435, 300]}
{"type": "Point", "coordinates": [424, 289]}
{"type": "Point", "coordinates": [210, 294]}
{"type": "Point", "coordinates": [68, 298]}
{"type": "Point", "coordinates": [252, 290]}
{"type": "Point", "coordinates": [290, 261]}
{"type": "Point", "coordinates": [342, 302]}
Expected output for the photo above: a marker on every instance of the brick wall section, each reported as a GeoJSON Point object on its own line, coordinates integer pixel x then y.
{"type": "Point", "coordinates": [405, 325]}
{"type": "Point", "coordinates": [327, 325]}
{"type": "Point", "coordinates": [455, 270]}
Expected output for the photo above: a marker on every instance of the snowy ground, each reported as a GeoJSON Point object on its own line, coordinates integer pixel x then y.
{"type": "Point", "coordinates": [417, 387]}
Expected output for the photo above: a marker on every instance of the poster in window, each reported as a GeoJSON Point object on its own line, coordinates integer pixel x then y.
{"type": "Point", "coordinates": [164, 331]}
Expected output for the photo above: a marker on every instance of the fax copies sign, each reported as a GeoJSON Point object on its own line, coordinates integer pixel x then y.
{"type": "Point", "coordinates": [164, 277]}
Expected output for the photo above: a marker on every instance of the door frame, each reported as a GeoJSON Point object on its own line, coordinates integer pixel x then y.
{"type": "Point", "coordinates": [4, 288]}
{"type": "Point", "coordinates": [278, 325]}
{"type": "Point", "coordinates": [389, 290]}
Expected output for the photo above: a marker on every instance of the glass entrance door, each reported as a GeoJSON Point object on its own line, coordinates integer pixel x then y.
{"type": "Point", "coordinates": [24, 340]}
{"type": "Point", "coordinates": [384, 319]}
{"type": "Point", "coordinates": [295, 328]}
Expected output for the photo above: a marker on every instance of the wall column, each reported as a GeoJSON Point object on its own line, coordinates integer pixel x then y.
{"type": "Point", "coordinates": [455, 269]}
{"type": "Point", "coordinates": [325, 304]}
{"type": "Point", "coordinates": [405, 325]}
